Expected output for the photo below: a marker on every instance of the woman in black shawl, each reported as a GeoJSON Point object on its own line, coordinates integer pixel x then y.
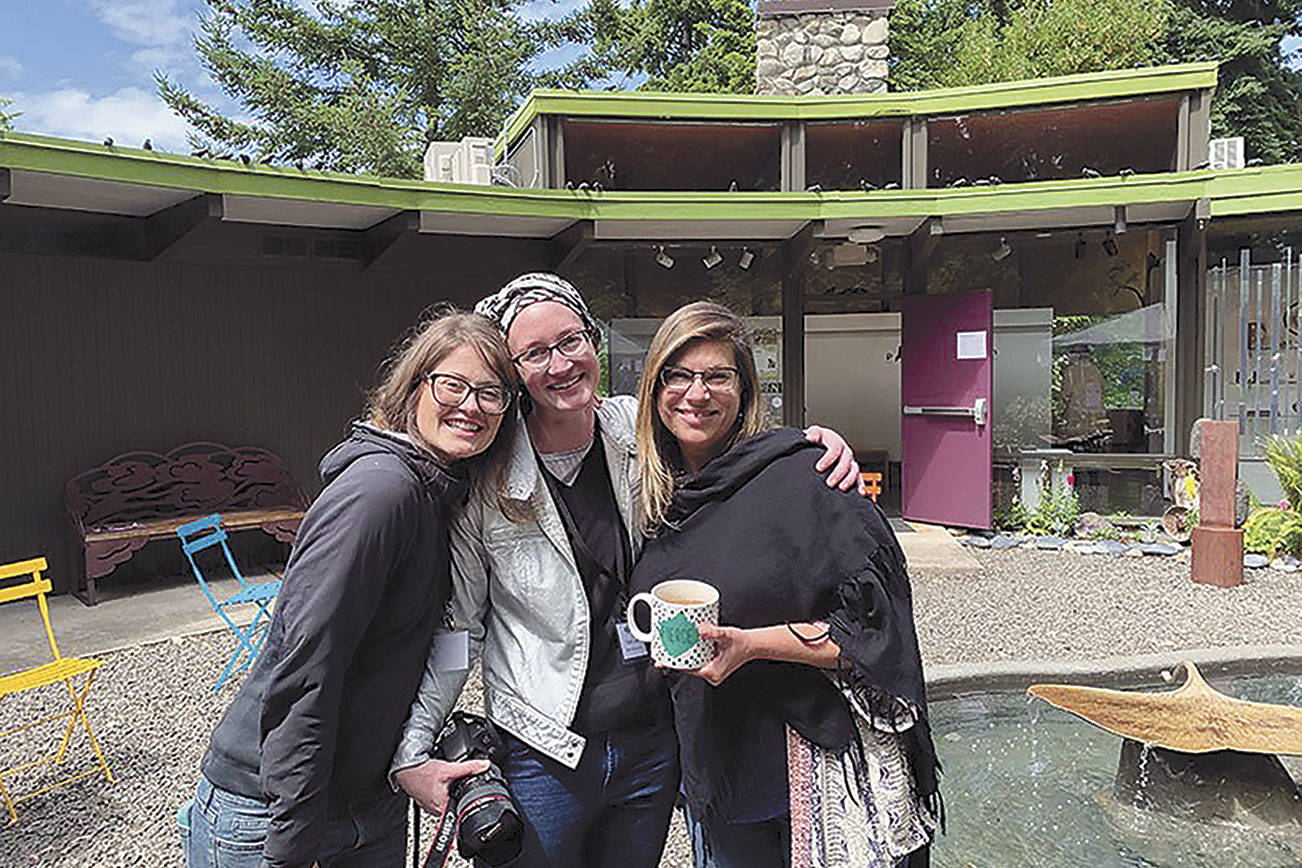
{"type": "Point", "coordinates": [805, 740]}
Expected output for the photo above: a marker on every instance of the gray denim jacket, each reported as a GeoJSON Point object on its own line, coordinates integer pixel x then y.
{"type": "Point", "coordinates": [534, 637]}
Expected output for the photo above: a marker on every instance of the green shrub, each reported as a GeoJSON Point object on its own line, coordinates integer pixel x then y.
{"type": "Point", "coordinates": [1273, 531]}
{"type": "Point", "coordinates": [1057, 513]}
{"type": "Point", "coordinates": [1014, 518]}
{"type": "Point", "coordinates": [1284, 455]}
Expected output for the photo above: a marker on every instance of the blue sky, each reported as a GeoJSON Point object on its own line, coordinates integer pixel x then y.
{"type": "Point", "coordinates": [83, 69]}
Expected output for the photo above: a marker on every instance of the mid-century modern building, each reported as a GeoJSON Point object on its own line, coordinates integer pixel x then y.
{"type": "Point", "coordinates": [964, 282]}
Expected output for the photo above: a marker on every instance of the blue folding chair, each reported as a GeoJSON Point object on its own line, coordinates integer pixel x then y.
{"type": "Point", "coordinates": [201, 534]}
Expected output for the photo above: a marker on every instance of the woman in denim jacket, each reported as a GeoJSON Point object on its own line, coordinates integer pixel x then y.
{"type": "Point", "coordinates": [540, 582]}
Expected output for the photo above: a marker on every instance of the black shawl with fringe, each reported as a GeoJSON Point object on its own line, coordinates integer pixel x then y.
{"type": "Point", "coordinates": [761, 526]}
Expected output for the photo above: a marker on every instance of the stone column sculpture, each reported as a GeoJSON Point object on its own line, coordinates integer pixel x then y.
{"type": "Point", "coordinates": [1217, 544]}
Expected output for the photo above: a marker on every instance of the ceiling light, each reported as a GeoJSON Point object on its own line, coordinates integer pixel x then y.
{"type": "Point", "coordinates": [746, 258]}
{"type": "Point", "coordinates": [712, 258]}
{"type": "Point", "coordinates": [664, 259]}
{"type": "Point", "coordinates": [1001, 252]}
{"type": "Point", "coordinates": [1110, 246]}
{"type": "Point", "coordinates": [1080, 246]}
{"type": "Point", "coordinates": [866, 234]}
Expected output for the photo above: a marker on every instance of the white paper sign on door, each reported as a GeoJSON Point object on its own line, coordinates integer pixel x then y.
{"type": "Point", "coordinates": [971, 345]}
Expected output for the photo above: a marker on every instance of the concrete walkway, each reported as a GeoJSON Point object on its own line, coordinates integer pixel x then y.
{"type": "Point", "coordinates": [176, 607]}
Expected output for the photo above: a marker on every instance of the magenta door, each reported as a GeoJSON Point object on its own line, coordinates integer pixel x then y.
{"type": "Point", "coordinates": [945, 391]}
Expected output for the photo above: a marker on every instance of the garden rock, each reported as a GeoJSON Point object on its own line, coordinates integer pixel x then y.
{"type": "Point", "coordinates": [1134, 552]}
{"type": "Point", "coordinates": [1089, 524]}
{"type": "Point", "coordinates": [1111, 547]}
{"type": "Point", "coordinates": [1049, 543]}
{"type": "Point", "coordinates": [978, 542]}
{"type": "Point", "coordinates": [1161, 549]}
{"type": "Point", "coordinates": [1003, 541]}
{"type": "Point", "coordinates": [1255, 562]}
{"type": "Point", "coordinates": [1286, 564]}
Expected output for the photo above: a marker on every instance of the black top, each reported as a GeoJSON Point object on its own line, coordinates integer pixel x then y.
{"type": "Point", "coordinates": [313, 728]}
{"type": "Point", "coordinates": [782, 547]}
{"type": "Point", "coordinates": [615, 692]}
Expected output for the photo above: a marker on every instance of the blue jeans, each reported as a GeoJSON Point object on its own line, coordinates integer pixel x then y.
{"type": "Point", "coordinates": [740, 845]}
{"type": "Point", "coordinates": [613, 810]}
{"type": "Point", "coordinates": [220, 829]}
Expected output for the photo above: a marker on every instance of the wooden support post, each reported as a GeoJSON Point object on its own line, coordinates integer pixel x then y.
{"type": "Point", "coordinates": [1217, 544]}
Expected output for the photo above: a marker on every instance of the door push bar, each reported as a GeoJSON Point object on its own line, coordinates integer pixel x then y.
{"type": "Point", "coordinates": [977, 412]}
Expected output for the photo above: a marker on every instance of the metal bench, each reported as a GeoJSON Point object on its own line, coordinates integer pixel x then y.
{"type": "Point", "coordinates": [124, 503]}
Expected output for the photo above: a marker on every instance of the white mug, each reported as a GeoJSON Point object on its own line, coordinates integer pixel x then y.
{"type": "Point", "coordinates": [678, 607]}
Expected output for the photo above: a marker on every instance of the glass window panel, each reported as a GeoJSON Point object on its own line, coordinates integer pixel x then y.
{"type": "Point", "coordinates": [673, 156]}
{"type": "Point", "coordinates": [852, 155]}
{"type": "Point", "coordinates": [1057, 142]}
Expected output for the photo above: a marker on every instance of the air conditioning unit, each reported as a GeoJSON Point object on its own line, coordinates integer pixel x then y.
{"type": "Point", "coordinates": [469, 161]}
{"type": "Point", "coordinates": [1225, 153]}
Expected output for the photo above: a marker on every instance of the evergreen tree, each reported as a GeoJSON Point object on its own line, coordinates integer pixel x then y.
{"type": "Point", "coordinates": [7, 118]}
{"type": "Point", "coordinates": [940, 43]}
{"type": "Point", "coordinates": [362, 85]}
{"type": "Point", "coordinates": [680, 45]}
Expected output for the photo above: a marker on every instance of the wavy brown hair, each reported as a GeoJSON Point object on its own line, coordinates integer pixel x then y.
{"type": "Point", "coordinates": [658, 454]}
{"type": "Point", "coordinates": [444, 328]}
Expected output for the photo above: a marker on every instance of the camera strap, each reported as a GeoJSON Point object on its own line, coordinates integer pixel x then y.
{"type": "Point", "coordinates": [445, 834]}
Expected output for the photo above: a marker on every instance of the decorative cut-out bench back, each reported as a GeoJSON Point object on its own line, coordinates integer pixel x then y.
{"type": "Point", "coordinates": [139, 496]}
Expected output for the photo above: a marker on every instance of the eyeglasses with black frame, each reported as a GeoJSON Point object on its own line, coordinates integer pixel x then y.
{"type": "Point", "coordinates": [678, 379]}
{"type": "Point", "coordinates": [570, 346]}
{"type": "Point", "coordinates": [451, 390]}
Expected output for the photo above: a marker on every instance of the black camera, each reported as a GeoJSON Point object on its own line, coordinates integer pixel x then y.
{"type": "Point", "coordinates": [480, 812]}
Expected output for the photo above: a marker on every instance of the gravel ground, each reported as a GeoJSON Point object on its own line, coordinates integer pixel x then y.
{"type": "Point", "coordinates": [152, 708]}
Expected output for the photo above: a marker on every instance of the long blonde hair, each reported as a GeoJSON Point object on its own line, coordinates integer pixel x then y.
{"type": "Point", "coordinates": [391, 406]}
{"type": "Point", "coordinates": [657, 449]}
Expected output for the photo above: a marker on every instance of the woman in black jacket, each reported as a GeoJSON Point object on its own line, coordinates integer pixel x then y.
{"type": "Point", "coordinates": [295, 772]}
{"type": "Point", "coordinates": [805, 740]}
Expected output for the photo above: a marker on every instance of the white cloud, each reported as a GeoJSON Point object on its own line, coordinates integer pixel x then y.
{"type": "Point", "coordinates": [10, 66]}
{"type": "Point", "coordinates": [163, 57]}
{"type": "Point", "coordinates": [130, 116]}
{"type": "Point", "coordinates": [147, 22]}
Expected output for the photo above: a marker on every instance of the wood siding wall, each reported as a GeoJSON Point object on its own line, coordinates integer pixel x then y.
{"type": "Point", "coordinates": [101, 357]}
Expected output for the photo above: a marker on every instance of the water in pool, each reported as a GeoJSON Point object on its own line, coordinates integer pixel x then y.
{"type": "Point", "coordinates": [1021, 778]}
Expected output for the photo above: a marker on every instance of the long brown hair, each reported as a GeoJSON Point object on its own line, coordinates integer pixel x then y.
{"type": "Point", "coordinates": [442, 329]}
{"type": "Point", "coordinates": [657, 450]}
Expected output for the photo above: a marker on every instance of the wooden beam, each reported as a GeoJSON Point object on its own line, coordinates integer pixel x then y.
{"type": "Point", "coordinates": [795, 262]}
{"type": "Point", "coordinates": [921, 245]}
{"type": "Point", "coordinates": [377, 239]}
{"type": "Point", "coordinates": [569, 244]}
{"type": "Point", "coordinates": [166, 229]}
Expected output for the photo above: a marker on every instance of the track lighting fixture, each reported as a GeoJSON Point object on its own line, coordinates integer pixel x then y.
{"type": "Point", "coordinates": [664, 260]}
{"type": "Point", "coordinates": [1001, 252]}
{"type": "Point", "coordinates": [712, 258]}
{"type": "Point", "coordinates": [744, 261]}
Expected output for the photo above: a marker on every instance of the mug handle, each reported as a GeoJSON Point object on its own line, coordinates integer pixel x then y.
{"type": "Point", "coordinates": [632, 622]}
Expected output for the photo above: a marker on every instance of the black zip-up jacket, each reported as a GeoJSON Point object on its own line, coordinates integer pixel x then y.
{"type": "Point", "coordinates": [314, 726]}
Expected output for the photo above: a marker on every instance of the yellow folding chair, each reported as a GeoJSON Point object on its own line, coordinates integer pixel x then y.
{"type": "Point", "coordinates": [65, 669]}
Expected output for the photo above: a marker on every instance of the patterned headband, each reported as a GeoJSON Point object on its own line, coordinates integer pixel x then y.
{"type": "Point", "coordinates": [503, 306]}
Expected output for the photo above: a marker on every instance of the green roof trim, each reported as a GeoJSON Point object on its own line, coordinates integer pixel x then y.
{"type": "Point", "coordinates": [1110, 84]}
{"type": "Point", "coordinates": [1243, 191]}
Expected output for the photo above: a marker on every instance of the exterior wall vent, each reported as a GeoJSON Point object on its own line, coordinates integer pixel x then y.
{"type": "Point", "coordinates": [307, 247]}
{"type": "Point", "coordinates": [1226, 153]}
{"type": "Point", "coordinates": [469, 161]}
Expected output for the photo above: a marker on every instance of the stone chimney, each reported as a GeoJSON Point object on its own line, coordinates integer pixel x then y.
{"type": "Point", "coordinates": [821, 46]}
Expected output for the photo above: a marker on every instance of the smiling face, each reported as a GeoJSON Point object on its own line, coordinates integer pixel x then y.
{"type": "Point", "coordinates": [564, 385]}
{"type": "Point", "coordinates": [462, 432]}
{"type": "Point", "coordinates": [700, 419]}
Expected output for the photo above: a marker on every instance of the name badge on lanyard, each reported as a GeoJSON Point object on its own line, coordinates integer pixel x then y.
{"type": "Point", "coordinates": [630, 646]}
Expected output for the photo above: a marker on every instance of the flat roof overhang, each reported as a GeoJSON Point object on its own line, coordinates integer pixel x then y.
{"type": "Point", "coordinates": [55, 173]}
{"type": "Point", "coordinates": [1107, 85]}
